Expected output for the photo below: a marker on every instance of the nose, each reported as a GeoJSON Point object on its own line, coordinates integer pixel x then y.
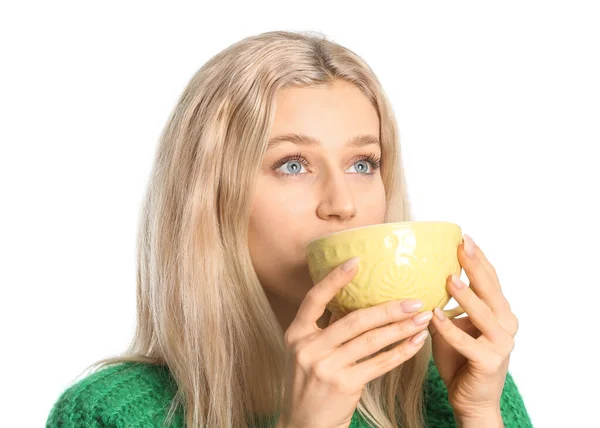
{"type": "Point", "coordinates": [336, 201]}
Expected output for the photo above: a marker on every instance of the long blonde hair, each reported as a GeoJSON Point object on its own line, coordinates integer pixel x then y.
{"type": "Point", "coordinates": [201, 309]}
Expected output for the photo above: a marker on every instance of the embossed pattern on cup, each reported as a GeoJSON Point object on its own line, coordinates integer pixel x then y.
{"type": "Point", "coordinates": [405, 260]}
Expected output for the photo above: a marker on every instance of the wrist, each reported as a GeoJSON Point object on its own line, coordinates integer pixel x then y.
{"type": "Point", "coordinates": [488, 419]}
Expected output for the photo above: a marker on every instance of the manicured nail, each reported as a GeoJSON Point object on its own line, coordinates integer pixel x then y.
{"type": "Point", "coordinates": [469, 246]}
{"type": "Point", "coordinates": [420, 337]}
{"type": "Point", "coordinates": [411, 305]}
{"type": "Point", "coordinates": [350, 264]}
{"type": "Point", "coordinates": [439, 314]}
{"type": "Point", "coordinates": [423, 317]}
{"type": "Point", "coordinates": [457, 282]}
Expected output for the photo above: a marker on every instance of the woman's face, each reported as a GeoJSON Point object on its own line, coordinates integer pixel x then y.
{"type": "Point", "coordinates": [308, 189]}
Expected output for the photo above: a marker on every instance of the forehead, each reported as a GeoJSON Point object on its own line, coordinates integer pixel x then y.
{"type": "Point", "coordinates": [332, 115]}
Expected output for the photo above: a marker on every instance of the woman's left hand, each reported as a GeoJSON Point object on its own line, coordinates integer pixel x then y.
{"type": "Point", "coordinates": [472, 353]}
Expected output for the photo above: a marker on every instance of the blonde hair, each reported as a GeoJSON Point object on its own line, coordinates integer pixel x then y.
{"type": "Point", "coordinates": [201, 309]}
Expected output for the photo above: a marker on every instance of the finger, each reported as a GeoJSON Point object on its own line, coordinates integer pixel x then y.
{"type": "Point", "coordinates": [314, 304]}
{"type": "Point", "coordinates": [363, 320]}
{"type": "Point", "coordinates": [467, 346]}
{"type": "Point", "coordinates": [480, 314]}
{"type": "Point", "coordinates": [376, 339]}
{"type": "Point", "coordinates": [464, 323]}
{"type": "Point", "coordinates": [366, 371]}
{"type": "Point", "coordinates": [432, 330]}
{"type": "Point", "coordinates": [332, 319]}
{"type": "Point", "coordinates": [482, 276]}
{"type": "Point", "coordinates": [485, 283]}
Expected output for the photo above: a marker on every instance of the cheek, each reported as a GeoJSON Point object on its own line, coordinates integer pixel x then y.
{"type": "Point", "coordinates": [275, 221]}
{"type": "Point", "coordinates": [372, 203]}
{"type": "Point", "coordinates": [275, 233]}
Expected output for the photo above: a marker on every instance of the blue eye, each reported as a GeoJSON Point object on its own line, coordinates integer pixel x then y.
{"type": "Point", "coordinates": [294, 164]}
{"type": "Point", "coordinates": [292, 167]}
{"type": "Point", "coordinates": [364, 166]}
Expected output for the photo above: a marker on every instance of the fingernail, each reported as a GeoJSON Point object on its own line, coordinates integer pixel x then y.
{"type": "Point", "coordinates": [439, 314]}
{"type": "Point", "coordinates": [423, 317]}
{"type": "Point", "coordinates": [411, 305]}
{"type": "Point", "coordinates": [418, 338]}
{"type": "Point", "coordinates": [350, 264]}
{"type": "Point", "coordinates": [469, 246]}
{"type": "Point", "coordinates": [457, 282]}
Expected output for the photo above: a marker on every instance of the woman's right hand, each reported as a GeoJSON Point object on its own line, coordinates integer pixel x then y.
{"type": "Point", "coordinates": [324, 382]}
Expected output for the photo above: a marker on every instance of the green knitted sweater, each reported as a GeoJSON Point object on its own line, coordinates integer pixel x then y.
{"type": "Point", "coordinates": [131, 395]}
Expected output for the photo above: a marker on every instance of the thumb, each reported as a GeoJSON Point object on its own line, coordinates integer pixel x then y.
{"type": "Point", "coordinates": [432, 330]}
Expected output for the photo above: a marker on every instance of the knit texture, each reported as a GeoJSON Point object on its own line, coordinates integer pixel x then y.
{"type": "Point", "coordinates": [132, 395]}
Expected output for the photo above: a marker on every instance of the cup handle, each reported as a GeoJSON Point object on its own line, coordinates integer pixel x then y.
{"type": "Point", "coordinates": [454, 312]}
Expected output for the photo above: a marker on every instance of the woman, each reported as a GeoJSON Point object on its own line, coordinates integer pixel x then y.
{"type": "Point", "coordinates": [281, 138]}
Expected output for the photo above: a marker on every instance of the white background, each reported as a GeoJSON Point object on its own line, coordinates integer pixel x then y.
{"type": "Point", "coordinates": [498, 108]}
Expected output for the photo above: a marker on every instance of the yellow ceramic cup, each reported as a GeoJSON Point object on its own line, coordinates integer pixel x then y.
{"type": "Point", "coordinates": [405, 260]}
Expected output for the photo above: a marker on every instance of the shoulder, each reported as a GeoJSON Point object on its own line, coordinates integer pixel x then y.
{"type": "Point", "coordinates": [123, 395]}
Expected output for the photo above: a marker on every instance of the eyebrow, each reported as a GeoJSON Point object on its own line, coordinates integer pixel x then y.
{"type": "Point", "coordinates": [358, 140]}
